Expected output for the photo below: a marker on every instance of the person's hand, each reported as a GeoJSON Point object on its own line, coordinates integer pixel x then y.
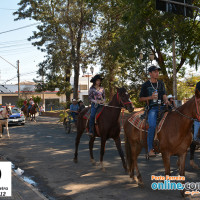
{"type": "Point", "coordinates": [167, 103]}
{"type": "Point", "coordinates": [154, 95]}
{"type": "Point", "coordinates": [102, 102]}
{"type": "Point", "coordinates": [98, 101]}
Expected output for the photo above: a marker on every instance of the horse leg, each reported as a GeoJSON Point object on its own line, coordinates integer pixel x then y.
{"type": "Point", "coordinates": [91, 143]}
{"type": "Point", "coordinates": [166, 162]}
{"type": "Point", "coordinates": [182, 169]}
{"type": "Point", "coordinates": [7, 129]}
{"type": "Point", "coordinates": [78, 136]}
{"type": "Point", "coordinates": [121, 153]}
{"type": "Point", "coordinates": [192, 150]}
{"type": "Point", "coordinates": [137, 151]}
{"type": "Point", "coordinates": [103, 143]}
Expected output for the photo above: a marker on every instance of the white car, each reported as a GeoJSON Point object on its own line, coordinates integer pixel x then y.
{"type": "Point", "coordinates": [17, 117]}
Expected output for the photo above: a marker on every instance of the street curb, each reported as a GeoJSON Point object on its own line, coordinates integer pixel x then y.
{"type": "Point", "coordinates": [30, 186]}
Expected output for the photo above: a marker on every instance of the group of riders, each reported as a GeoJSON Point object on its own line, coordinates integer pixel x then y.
{"type": "Point", "coordinates": [28, 105]}
{"type": "Point", "coordinates": [153, 92]}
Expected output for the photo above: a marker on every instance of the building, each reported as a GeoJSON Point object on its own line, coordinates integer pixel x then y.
{"type": "Point", "coordinates": [9, 93]}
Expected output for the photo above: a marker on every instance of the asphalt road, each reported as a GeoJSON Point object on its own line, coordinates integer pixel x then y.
{"type": "Point", "coordinates": [45, 153]}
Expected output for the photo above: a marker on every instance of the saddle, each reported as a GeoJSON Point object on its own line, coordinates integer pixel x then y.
{"type": "Point", "coordinates": [139, 121]}
{"type": "Point", "coordinates": [88, 113]}
{"type": "Point", "coordinates": [87, 117]}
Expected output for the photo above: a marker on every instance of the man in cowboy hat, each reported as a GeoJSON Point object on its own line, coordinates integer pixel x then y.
{"type": "Point", "coordinates": [96, 97]}
{"type": "Point", "coordinates": [74, 109]}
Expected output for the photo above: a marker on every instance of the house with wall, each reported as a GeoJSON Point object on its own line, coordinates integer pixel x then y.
{"type": "Point", "coordinates": [9, 93]}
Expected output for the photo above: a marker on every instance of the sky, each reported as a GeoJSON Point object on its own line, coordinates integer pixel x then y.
{"type": "Point", "coordinates": [15, 46]}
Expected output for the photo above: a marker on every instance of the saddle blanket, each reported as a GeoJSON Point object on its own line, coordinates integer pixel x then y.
{"type": "Point", "coordinates": [99, 111]}
{"type": "Point", "coordinates": [139, 123]}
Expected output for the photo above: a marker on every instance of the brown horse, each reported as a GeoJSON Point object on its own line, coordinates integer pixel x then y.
{"type": "Point", "coordinates": [108, 125]}
{"type": "Point", "coordinates": [33, 111]}
{"type": "Point", "coordinates": [175, 138]}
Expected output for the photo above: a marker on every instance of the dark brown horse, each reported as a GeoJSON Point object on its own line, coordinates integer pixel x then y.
{"type": "Point", "coordinates": [175, 138]}
{"type": "Point", "coordinates": [108, 125]}
{"type": "Point", "coordinates": [33, 111]}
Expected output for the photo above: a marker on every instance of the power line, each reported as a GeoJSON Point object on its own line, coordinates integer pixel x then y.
{"type": "Point", "coordinates": [19, 28]}
{"type": "Point", "coordinates": [8, 62]}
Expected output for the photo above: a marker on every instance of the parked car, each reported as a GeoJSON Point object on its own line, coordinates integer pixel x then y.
{"type": "Point", "coordinates": [17, 117]}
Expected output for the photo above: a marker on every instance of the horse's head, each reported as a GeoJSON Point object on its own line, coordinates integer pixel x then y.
{"type": "Point", "coordinates": [124, 99]}
{"type": "Point", "coordinates": [6, 111]}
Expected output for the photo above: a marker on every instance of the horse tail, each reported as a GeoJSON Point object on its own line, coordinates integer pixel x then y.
{"type": "Point", "coordinates": [127, 147]}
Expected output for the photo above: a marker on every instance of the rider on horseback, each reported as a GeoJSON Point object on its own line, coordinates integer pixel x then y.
{"type": "Point", "coordinates": [31, 103]}
{"type": "Point", "coordinates": [24, 105]}
{"type": "Point", "coordinates": [96, 97]}
{"type": "Point", "coordinates": [152, 91]}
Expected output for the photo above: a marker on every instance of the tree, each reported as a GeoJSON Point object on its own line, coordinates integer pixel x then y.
{"type": "Point", "coordinates": [62, 34]}
{"type": "Point", "coordinates": [153, 30]}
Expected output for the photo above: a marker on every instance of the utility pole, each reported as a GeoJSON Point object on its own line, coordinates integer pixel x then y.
{"type": "Point", "coordinates": [174, 70]}
{"type": "Point", "coordinates": [18, 79]}
{"type": "Point", "coordinates": [43, 100]}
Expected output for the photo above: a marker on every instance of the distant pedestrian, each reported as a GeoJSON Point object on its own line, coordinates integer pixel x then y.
{"type": "Point", "coordinates": [81, 105]}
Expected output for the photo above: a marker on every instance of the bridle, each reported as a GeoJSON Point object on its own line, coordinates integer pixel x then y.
{"type": "Point", "coordinates": [121, 102]}
{"type": "Point", "coordinates": [197, 112]}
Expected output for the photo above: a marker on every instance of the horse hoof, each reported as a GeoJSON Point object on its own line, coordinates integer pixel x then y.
{"type": "Point", "coordinates": [194, 165]}
{"type": "Point", "coordinates": [93, 161]}
{"type": "Point", "coordinates": [103, 169]}
{"type": "Point", "coordinates": [140, 184]}
{"type": "Point", "coordinates": [75, 160]}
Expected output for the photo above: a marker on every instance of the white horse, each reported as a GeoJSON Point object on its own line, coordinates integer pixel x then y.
{"type": "Point", "coordinates": [4, 114]}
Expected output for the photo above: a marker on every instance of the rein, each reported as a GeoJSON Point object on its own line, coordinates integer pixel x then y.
{"type": "Point", "coordinates": [120, 101]}
{"type": "Point", "coordinates": [197, 112]}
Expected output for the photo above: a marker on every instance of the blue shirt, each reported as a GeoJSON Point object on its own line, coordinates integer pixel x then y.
{"type": "Point", "coordinates": [74, 107]}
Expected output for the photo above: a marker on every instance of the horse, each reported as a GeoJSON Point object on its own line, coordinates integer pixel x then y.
{"type": "Point", "coordinates": [25, 111]}
{"type": "Point", "coordinates": [4, 120]}
{"type": "Point", "coordinates": [174, 138]}
{"type": "Point", "coordinates": [33, 111]}
{"type": "Point", "coordinates": [108, 125]}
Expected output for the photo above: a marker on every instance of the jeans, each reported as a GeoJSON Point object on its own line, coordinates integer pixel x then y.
{"type": "Point", "coordinates": [92, 117]}
{"type": "Point", "coordinates": [152, 119]}
{"type": "Point", "coordinates": [196, 130]}
{"type": "Point", "coordinates": [29, 107]}
{"type": "Point", "coordinates": [74, 116]}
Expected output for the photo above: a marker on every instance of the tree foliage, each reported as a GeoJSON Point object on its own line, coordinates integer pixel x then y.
{"type": "Point", "coordinates": [63, 34]}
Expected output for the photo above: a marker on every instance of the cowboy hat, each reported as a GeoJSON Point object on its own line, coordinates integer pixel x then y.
{"type": "Point", "coordinates": [96, 77]}
{"type": "Point", "coordinates": [170, 96]}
